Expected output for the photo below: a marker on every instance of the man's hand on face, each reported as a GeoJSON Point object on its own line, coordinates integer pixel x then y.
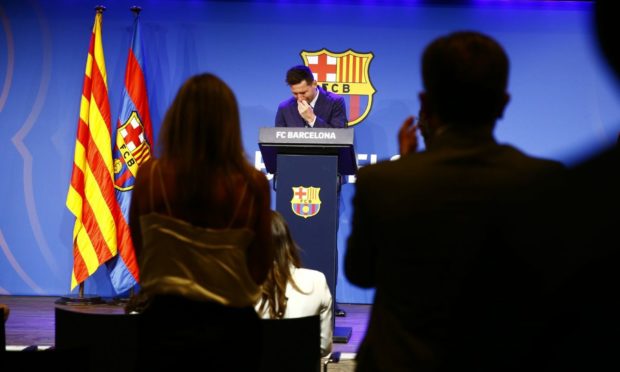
{"type": "Point", "coordinates": [306, 111]}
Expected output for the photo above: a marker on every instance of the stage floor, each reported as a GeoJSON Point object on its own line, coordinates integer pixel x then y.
{"type": "Point", "coordinates": [31, 322]}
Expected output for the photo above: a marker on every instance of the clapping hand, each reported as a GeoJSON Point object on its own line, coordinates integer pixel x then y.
{"type": "Point", "coordinates": [407, 137]}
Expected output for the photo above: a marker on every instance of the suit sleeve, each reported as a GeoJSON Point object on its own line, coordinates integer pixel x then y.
{"type": "Point", "coordinates": [337, 117]}
{"type": "Point", "coordinates": [359, 261]}
{"type": "Point", "coordinates": [280, 121]}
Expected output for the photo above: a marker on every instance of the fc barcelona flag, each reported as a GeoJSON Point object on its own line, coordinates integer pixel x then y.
{"type": "Point", "coordinates": [132, 148]}
{"type": "Point", "coordinates": [91, 193]}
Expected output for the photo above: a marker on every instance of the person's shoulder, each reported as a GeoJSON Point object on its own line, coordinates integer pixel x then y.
{"type": "Point", "coordinates": [330, 95]}
{"type": "Point", "coordinates": [257, 178]}
{"type": "Point", "coordinates": [147, 165]}
{"type": "Point", "coordinates": [312, 273]}
{"type": "Point", "coordinates": [386, 167]}
{"type": "Point", "coordinates": [553, 164]}
{"type": "Point", "coordinates": [535, 161]}
{"type": "Point", "coordinates": [307, 276]}
{"type": "Point", "coordinates": [287, 103]}
{"type": "Point", "coordinates": [146, 170]}
{"type": "Point", "coordinates": [534, 170]}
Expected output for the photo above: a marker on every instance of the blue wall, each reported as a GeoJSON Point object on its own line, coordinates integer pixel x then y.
{"type": "Point", "coordinates": [563, 99]}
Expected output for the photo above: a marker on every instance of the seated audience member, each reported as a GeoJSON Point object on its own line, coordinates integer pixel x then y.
{"type": "Point", "coordinates": [291, 291]}
{"type": "Point", "coordinates": [200, 221]}
{"type": "Point", "coordinates": [440, 234]}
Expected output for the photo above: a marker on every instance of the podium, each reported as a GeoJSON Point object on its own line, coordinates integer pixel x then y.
{"type": "Point", "coordinates": [308, 164]}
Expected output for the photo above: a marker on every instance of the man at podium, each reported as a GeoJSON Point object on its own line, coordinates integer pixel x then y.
{"type": "Point", "coordinates": [311, 106]}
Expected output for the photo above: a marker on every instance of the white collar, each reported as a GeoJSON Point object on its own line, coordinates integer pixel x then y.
{"type": "Point", "coordinates": [316, 97]}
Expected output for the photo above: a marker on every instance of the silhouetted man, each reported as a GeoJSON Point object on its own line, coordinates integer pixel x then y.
{"type": "Point", "coordinates": [437, 233]}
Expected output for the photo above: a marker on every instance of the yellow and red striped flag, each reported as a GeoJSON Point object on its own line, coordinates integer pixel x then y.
{"type": "Point", "coordinates": [91, 195]}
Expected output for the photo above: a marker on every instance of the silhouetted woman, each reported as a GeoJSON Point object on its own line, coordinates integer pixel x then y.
{"type": "Point", "coordinates": [200, 222]}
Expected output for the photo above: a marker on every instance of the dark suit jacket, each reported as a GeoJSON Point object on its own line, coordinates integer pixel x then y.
{"type": "Point", "coordinates": [439, 234]}
{"type": "Point", "coordinates": [585, 308]}
{"type": "Point", "coordinates": [329, 109]}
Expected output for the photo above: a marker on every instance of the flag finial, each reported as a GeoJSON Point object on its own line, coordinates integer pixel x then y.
{"type": "Point", "coordinates": [136, 9]}
{"type": "Point", "coordinates": [100, 9]}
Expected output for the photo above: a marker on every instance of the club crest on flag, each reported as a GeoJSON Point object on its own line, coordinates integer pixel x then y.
{"type": "Point", "coordinates": [133, 149]}
{"type": "Point", "coordinates": [346, 74]}
{"type": "Point", "coordinates": [306, 202]}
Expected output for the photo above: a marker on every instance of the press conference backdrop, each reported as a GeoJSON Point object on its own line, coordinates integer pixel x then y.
{"type": "Point", "coordinates": [564, 104]}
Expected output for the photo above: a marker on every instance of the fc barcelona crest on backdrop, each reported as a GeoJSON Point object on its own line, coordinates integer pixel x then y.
{"type": "Point", "coordinates": [134, 150]}
{"type": "Point", "coordinates": [306, 202]}
{"type": "Point", "coordinates": [345, 74]}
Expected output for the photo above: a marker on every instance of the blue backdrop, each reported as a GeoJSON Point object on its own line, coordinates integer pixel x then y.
{"type": "Point", "coordinates": [563, 98]}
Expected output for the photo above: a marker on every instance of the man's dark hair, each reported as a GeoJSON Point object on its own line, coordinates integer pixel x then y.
{"type": "Point", "coordinates": [465, 76]}
{"type": "Point", "coordinates": [299, 73]}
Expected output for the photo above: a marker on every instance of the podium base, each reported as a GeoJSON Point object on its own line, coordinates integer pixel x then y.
{"type": "Point", "coordinates": [341, 335]}
{"type": "Point", "coordinates": [77, 300]}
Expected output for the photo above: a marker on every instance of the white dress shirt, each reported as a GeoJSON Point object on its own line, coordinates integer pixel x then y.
{"type": "Point", "coordinates": [312, 103]}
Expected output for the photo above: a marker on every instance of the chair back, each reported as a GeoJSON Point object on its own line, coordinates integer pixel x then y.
{"type": "Point", "coordinates": [291, 344]}
{"type": "Point", "coordinates": [109, 340]}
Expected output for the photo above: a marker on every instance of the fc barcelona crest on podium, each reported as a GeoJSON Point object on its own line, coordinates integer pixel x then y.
{"type": "Point", "coordinates": [345, 74]}
{"type": "Point", "coordinates": [306, 202]}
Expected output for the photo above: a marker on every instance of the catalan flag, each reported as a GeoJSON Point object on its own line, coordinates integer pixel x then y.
{"type": "Point", "coordinates": [132, 148]}
{"type": "Point", "coordinates": [91, 194]}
